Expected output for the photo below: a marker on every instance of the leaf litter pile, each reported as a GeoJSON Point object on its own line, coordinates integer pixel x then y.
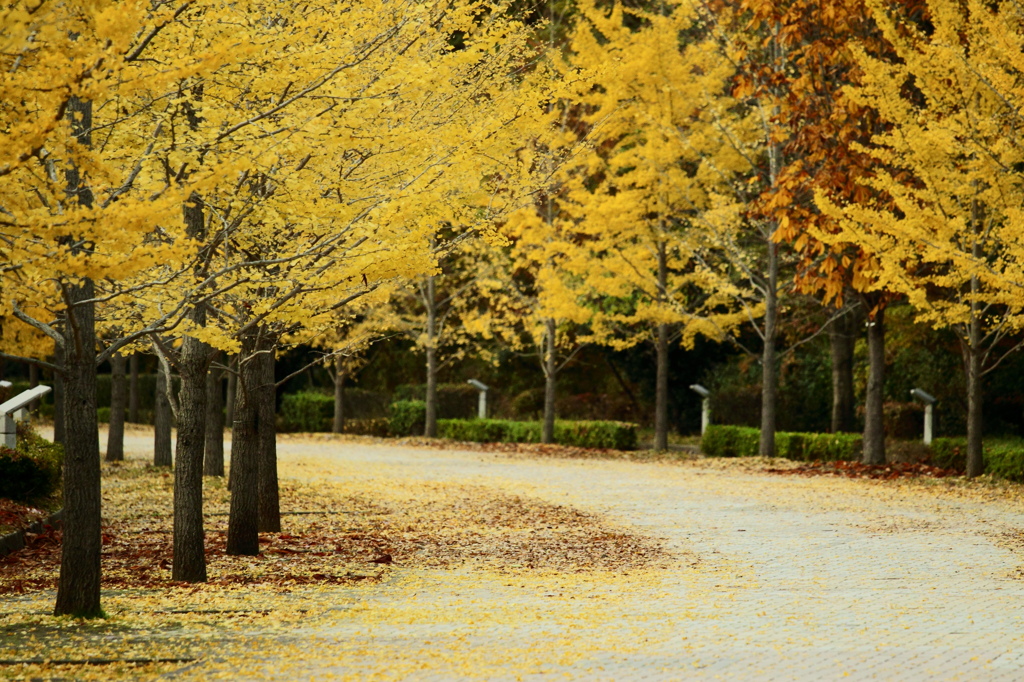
{"type": "Point", "coordinates": [340, 535]}
{"type": "Point", "coordinates": [847, 469]}
{"type": "Point", "coordinates": [336, 535]}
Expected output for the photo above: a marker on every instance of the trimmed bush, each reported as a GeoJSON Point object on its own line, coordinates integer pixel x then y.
{"type": "Point", "coordinates": [313, 411]}
{"type": "Point", "coordinates": [33, 470]}
{"type": "Point", "coordinates": [1005, 459]}
{"type": "Point", "coordinates": [103, 415]}
{"type": "Point", "coordinates": [307, 412]}
{"type": "Point", "coordinates": [744, 441]}
{"type": "Point", "coordinates": [408, 418]}
{"type": "Point", "coordinates": [379, 427]}
{"type": "Point", "coordinates": [720, 440]}
{"type": "Point", "coordinates": [596, 434]}
{"type": "Point", "coordinates": [829, 447]}
{"type": "Point", "coordinates": [584, 434]}
{"type": "Point", "coordinates": [454, 401]}
{"type": "Point", "coordinates": [949, 453]}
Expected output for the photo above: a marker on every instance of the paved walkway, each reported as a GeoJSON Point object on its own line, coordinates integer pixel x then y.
{"type": "Point", "coordinates": [796, 579]}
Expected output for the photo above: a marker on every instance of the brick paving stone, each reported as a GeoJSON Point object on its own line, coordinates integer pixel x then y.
{"type": "Point", "coordinates": [796, 581]}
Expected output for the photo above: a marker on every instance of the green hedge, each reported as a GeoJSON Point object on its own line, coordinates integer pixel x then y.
{"type": "Point", "coordinates": [408, 418]}
{"type": "Point", "coordinates": [744, 441]}
{"type": "Point", "coordinates": [1004, 457]}
{"type": "Point", "coordinates": [379, 427]}
{"type": "Point", "coordinates": [949, 453]}
{"type": "Point", "coordinates": [313, 411]}
{"type": "Point", "coordinates": [307, 412]}
{"type": "Point", "coordinates": [32, 471]}
{"type": "Point", "coordinates": [454, 401]}
{"type": "Point", "coordinates": [585, 434]}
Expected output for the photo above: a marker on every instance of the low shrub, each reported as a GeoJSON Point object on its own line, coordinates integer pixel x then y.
{"type": "Point", "coordinates": [31, 471]}
{"type": "Point", "coordinates": [379, 427]}
{"type": "Point", "coordinates": [1005, 459]}
{"type": "Point", "coordinates": [949, 453]}
{"type": "Point", "coordinates": [744, 441]}
{"type": "Point", "coordinates": [584, 434]}
{"type": "Point", "coordinates": [597, 434]}
{"type": "Point", "coordinates": [720, 440]}
{"type": "Point", "coordinates": [307, 412]}
{"type": "Point", "coordinates": [103, 414]}
{"type": "Point", "coordinates": [454, 401]}
{"type": "Point", "coordinates": [408, 418]}
{"type": "Point", "coordinates": [829, 447]}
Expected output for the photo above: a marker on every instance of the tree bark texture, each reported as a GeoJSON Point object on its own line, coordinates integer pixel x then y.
{"type": "Point", "coordinates": [229, 398]}
{"type": "Point", "coordinates": [769, 360]}
{"type": "Point", "coordinates": [973, 370]}
{"type": "Point", "coordinates": [78, 590]}
{"type": "Point", "coordinates": [213, 458]}
{"type": "Point", "coordinates": [243, 519]}
{"type": "Point", "coordinates": [118, 403]}
{"type": "Point", "coordinates": [338, 425]}
{"type": "Point", "coordinates": [58, 395]}
{"type": "Point", "coordinates": [874, 399]}
{"type": "Point", "coordinates": [189, 563]}
{"type": "Point", "coordinates": [842, 337]}
{"type": "Point", "coordinates": [430, 303]}
{"type": "Point", "coordinates": [661, 371]}
{"type": "Point", "coordinates": [550, 369]}
{"type": "Point", "coordinates": [133, 388]}
{"type": "Point", "coordinates": [270, 500]}
{"type": "Point", "coordinates": [162, 420]}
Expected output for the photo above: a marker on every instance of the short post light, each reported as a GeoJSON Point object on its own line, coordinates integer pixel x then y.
{"type": "Point", "coordinates": [8, 429]}
{"type": "Point", "coordinates": [929, 411]}
{"type": "Point", "coordinates": [705, 406]}
{"type": "Point", "coordinates": [481, 409]}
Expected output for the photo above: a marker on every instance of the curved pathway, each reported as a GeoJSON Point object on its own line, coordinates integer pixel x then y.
{"type": "Point", "coordinates": [778, 579]}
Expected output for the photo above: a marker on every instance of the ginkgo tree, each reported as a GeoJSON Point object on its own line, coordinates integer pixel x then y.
{"type": "Point", "coordinates": [652, 177]}
{"type": "Point", "coordinates": [75, 226]}
{"type": "Point", "coordinates": [344, 164]}
{"type": "Point", "coordinates": [950, 162]}
{"type": "Point", "coordinates": [252, 194]}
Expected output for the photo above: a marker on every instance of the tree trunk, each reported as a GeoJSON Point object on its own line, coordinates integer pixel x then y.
{"type": "Point", "coordinates": [270, 501]}
{"type": "Point", "coordinates": [430, 302]}
{"type": "Point", "coordinates": [58, 395]}
{"type": "Point", "coordinates": [769, 369]}
{"type": "Point", "coordinates": [842, 335]}
{"type": "Point", "coordinates": [243, 521]}
{"type": "Point", "coordinates": [874, 422]}
{"type": "Point", "coordinates": [189, 563]}
{"type": "Point", "coordinates": [661, 390]}
{"type": "Point", "coordinates": [78, 591]}
{"type": "Point", "coordinates": [661, 380]}
{"type": "Point", "coordinates": [550, 369]}
{"type": "Point", "coordinates": [118, 398]}
{"type": "Point", "coordinates": [975, 453]}
{"type": "Point", "coordinates": [972, 368]}
{"type": "Point", "coordinates": [339, 395]}
{"type": "Point", "coordinates": [133, 388]}
{"type": "Point", "coordinates": [229, 399]}
{"type": "Point", "coordinates": [213, 459]}
{"type": "Point", "coordinates": [162, 419]}
{"type": "Point", "coordinates": [430, 425]}
{"type": "Point", "coordinates": [78, 587]}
